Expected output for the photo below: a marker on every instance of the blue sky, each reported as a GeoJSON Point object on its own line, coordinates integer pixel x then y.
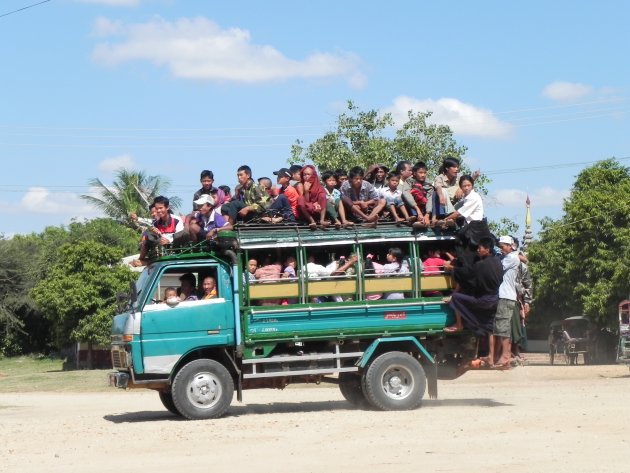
{"type": "Point", "coordinates": [536, 91]}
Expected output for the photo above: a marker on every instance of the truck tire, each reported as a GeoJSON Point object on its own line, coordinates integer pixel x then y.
{"type": "Point", "coordinates": [395, 381]}
{"type": "Point", "coordinates": [167, 401]}
{"type": "Point", "coordinates": [203, 389]}
{"type": "Point", "coordinates": [351, 390]}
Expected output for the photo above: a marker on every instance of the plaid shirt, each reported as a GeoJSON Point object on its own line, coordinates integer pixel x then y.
{"type": "Point", "coordinates": [366, 193]}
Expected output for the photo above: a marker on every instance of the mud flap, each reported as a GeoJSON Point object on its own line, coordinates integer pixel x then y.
{"type": "Point", "coordinates": [431, 372]}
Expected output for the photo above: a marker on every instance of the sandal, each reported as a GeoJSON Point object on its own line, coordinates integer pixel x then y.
{"type": "Point", "coordinates": [312, 226]}
{"type": "Point", "coordinates": [337, 225]}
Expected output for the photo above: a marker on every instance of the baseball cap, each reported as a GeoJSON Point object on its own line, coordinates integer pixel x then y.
{"type": "Point", "coordinates": [507, 239]}
{"type": "Point", "coordinates": [283, 172]}
{"type": "Point", "coordinates": [205, 199]}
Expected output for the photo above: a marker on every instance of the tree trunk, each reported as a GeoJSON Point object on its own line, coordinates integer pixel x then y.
{"type": "Point", "coordinates": [89, 356]}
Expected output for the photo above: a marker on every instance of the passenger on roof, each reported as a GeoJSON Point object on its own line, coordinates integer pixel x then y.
{"type": "Point", "coordinates": [312, 202]}
{"type": "Point", "coordinates": [377, 176]}
{"type": "Point", "coordinates": [393, 198]}
{"type": "Point", "coordinates": [284, 205]}
{"type": "Point", "coordinates": [422, 193]}
{"type": "Point", "coordinates": [250, 199]}
{"type": "Point", "coordinates": [447, 189]}
{"type": "Point", "coordinates": [470, 207]}
{"type": "Point", "coordinates": [342, 176]}
{"type": "Point", "coordinates": [166, 229]}
{"type": "Point", "coordinates": [334, 208]}
{"type": "Point", "coordinates": [362, 201]}
{"type": "Point", "coordinates": [206, 222]}
{"type": "Point", "coordinates": [207, 187]}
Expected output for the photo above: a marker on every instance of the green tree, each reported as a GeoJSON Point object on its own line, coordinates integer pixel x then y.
{"type": "Point", "coordinates": [361, 139]}
{"type": "Point", "coordinates": [581, 262]}
{"type": "Point", "coordinates": [25, 260]}
{"type": "Point", "coordinates": [504, 226]}
{"type": "Point", "coordinates": [131, 192]}
{"type": "Point", "coordinates": [22, 329]}
{"type": "Point", "coordinates": [78, 296]}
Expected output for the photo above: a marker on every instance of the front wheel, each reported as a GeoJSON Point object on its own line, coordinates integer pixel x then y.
{"type": "Point", "coordinates": [395, 381]}
{"type": "Point", "coordinates": [203, 389]}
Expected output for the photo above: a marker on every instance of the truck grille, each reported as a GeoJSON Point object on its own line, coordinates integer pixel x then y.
{"type": "Point", "coordinates": [119, 358]}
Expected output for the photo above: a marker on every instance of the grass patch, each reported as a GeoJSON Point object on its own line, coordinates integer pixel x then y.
{"type": "Point", "coordinates": [28, 374]}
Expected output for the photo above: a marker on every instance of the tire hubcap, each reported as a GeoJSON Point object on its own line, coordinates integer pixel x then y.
{"type": "Point", "coordinates": [204, 390]}
{"type": "Point", "coordinates": [397, 383]}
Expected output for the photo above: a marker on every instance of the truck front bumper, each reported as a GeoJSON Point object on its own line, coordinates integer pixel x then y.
{"type": "Point", "coordinates": [118, 379]}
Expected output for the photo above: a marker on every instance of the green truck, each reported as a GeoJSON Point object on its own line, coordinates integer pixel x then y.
{"type": "Point", "coordinates": [378, 334]}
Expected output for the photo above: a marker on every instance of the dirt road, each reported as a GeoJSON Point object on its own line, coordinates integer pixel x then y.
{"type": "Point", "coordinates": [530, 419]}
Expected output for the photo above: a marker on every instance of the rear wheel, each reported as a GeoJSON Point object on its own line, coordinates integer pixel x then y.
{"type": "Point", "coordinates": [351, 390]}
{"type": "Point", "coordinates": [167, 401]}
{"type": "Point", "coordinates": [395, 381]}
{"type": "Point", "coordinates": [203, 389]}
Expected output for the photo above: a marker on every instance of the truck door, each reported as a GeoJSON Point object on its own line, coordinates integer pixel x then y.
{"type": "Point", "coordinates": [172, 327]}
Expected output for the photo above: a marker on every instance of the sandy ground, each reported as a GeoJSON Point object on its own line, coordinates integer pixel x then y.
{"type": "Point", "coordinates": [530, 419]}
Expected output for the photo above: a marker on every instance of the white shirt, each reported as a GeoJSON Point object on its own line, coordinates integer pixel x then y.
{"type": "Point", "coordinates": [507, 289]}
{"type": "Point", "coordinates": [470, 207]}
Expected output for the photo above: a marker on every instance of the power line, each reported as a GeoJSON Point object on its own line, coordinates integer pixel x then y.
{"type": "Point", "coordinates": [12, 188]}
{"type": "Point", "coordinates": [306, 126]}
{"type": "Point", "coordinates": [23, 8]}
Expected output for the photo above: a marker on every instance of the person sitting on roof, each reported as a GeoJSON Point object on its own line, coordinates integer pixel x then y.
{"type": "Point", "coordinates": [206, 222]}
{"type": "Point", "coordinates": [394, 200]}
{"type": "Point", "coordinates": [207, 180]}
{"type": "Point", "coordinates": [360, 198]}
{"type": "Point", "coordinates": [312, 202]}
{"type": "Point", "coordinates": [166, 229]}
{"type": "Point", "coordinates": [334, 208]}
{"type": "Point", "coordinates": [376, 175]}
{"type": "Point", "coordinates": [470, 207]}
{"type": "Point", "coordinates": [250, 200]}
{"type": "Point", "coordinates": [284, 205]}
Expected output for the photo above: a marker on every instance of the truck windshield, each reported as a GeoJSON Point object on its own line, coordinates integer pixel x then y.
{"type": "Point", "coordinates": [141, 286]}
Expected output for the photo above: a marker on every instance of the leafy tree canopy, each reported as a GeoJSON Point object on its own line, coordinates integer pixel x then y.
{"type": "Point", "coordinates": [361, 139]}
{"type": "Point", "coordinates": [581, 262]}
{"type": "Point", "coordinates": [78, 295]}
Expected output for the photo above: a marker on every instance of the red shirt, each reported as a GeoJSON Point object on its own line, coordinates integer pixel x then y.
{"type": "Point", "coordinates": [433, 265]}
{"type": "Point", "coordinates": [292, 195]}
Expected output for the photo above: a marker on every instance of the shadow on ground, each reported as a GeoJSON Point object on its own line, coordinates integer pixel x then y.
{"type": "Point", "coordinates": [292, 407]}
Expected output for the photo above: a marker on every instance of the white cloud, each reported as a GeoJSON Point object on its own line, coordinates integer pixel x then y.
{"type": "Point", "coordinates": [115, 163]}
{"type": "Point", "coordinates": [461, 117]}
{"type": "Point", "coordinates": [198, 48]}
{"type": "Point", "coordinates": [113, 3]}
{"type": "Point", "coordinates": [539, 198]}
{"type": "Point", "coordinates": [39, 200]}
{"type": "Point", "coordinates": [566, 91]}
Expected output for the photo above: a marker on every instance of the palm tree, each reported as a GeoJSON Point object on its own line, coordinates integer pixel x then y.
{"type": "Point", "coordinates": [131, 192]}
